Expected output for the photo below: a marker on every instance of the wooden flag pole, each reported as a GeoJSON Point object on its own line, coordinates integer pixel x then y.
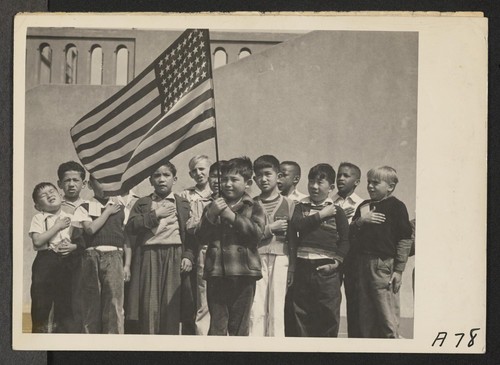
{"type": "Point", "coordinates": [215, 118]}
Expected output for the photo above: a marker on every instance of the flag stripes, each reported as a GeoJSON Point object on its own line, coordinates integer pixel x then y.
{"type": "Point", "coordinates": [164, 111]}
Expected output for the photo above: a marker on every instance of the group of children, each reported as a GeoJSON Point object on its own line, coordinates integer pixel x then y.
{"type": "Point", "coordinates": [214, 260]}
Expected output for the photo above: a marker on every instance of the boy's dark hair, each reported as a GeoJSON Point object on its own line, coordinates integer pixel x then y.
{"type": "Point", "coordinates": [294, 164]}
{"type": "Point", "coordinates": [322, 171]}
{"type": "Point", "coordinates": [266, 161]}
{"type": "Point", "coordinates": [70, 166]}
{"type": "Point", "coordinates": [240, 165]}
{"type": "Point", "coordinates": [166, 163]}
{"type": "Point", "coordinates": [40, 187]}
{"type": "Point", "coordinates": [353, 167]}
{"type": "Point", "coordinates": [217, 166]}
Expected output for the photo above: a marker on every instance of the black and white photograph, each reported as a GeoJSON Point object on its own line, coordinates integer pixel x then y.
{"type": "Point", "coordinates": [257, 177]}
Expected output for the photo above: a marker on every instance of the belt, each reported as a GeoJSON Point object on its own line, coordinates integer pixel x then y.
{"type": "Point", "coordinates": [104, 248]}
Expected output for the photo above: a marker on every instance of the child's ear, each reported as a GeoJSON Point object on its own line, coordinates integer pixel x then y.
{"type": "Point", "coordinates": [392, 187]}
{"type": "Point", "coordinates": [296, 179]}
{"type": "Point", "coordinates": [84, 184]}
{"type": "Point", "coordinates": [357, 182]}
{"type": "Point", "coordinates": [175, 180]}
{"type": "Point", "coordinates": [332, 187]}
{"type": "Point", "coordinates": [191, 174]}
{"type": "Point", "coordinates": [249, 183]}
{"type": "Point", "coordinates": [59, 184]}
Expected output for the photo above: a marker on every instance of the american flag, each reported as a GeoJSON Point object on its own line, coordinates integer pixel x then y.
{"type": "Point", "coordinates": [164, 111]}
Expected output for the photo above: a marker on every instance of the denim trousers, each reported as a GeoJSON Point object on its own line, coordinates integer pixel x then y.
{"type": "Point", "coordinates": [102, 291]}
{"type": "Point", "coordinates": [378, 305]}
{"type": "Point", "coordinates": [229, 302]}
{"type": "Point", "coordinates": [314, 300]}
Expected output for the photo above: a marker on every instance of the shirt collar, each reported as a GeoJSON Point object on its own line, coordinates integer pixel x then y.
{"type": "Point", "coordinates": [48, 215]}
{"type": "Point", "coordinates": [353, 198]}
{"type": "Point", "coordinates": [307, 200]}
{"type": "Point", "coordinates": [158, 198]}
{"type": "Point", "coordinates": [205, 193]}
{"type": "Point", "coordinates": [74, 204]}
{"type": "Point", "coordinates": [126, 199]}
{"type": "Point", "coordinates": [245, 199]}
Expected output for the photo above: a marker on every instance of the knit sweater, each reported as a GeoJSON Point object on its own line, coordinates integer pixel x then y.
{"type": "Point", "coordinates": [327, 236]}
{"type": "Point", "coordinates": [391, 239]}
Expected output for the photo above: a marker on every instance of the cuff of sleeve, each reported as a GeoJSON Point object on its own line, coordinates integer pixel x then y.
{"type": "Point", "coordinates": [338, 258]}
{"type": "Point", "coordinates": [154, 218]}
{"type": "Point", "coordinates": [316, 217]}
{"type": "Point", "coordinates": [267, 232]}
{"type": "Point", "coordinates": [207, 217]}
{"type": "Point", "coordinates": [399, 266]}
{"type": "Point", "coordinates": [188, 255]}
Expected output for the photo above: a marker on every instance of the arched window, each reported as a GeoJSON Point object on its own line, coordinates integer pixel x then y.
{"type": "Point", "coordinates": [70, 64]}
{"type": "Point", "coordinates": [45, 64]}
{"type": "Point", "coordinates": [220, 57]}
{"type": "Point", "coordinates": [121, 65]}
{"type": "Point", "coordinates": [96, 65]}
{"type": "Point", "coordinates": [244, 52]}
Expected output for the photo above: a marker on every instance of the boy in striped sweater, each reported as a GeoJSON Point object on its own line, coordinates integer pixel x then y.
{"type": "Point", "coordinates": [315, 271]}
{"type": "Point", "coordinates": [266, 317]}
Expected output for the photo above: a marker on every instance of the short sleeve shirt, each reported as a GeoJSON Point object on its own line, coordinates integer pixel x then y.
{"type": "Point", "coordinates": [42, 222]}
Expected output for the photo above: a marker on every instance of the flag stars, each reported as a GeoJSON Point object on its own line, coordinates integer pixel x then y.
{"type": "Point", "coordinates": [203, 74]}
{"type": "Point", "coordinates": [197, 60]}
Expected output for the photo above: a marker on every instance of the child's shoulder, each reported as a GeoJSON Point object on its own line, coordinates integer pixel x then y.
{"type": "Point", "coordinates": [395, 202]}
{"type": "Point", "coordinates": [181, 198]}
{"type": "Point", "coordinates": [38, 216]}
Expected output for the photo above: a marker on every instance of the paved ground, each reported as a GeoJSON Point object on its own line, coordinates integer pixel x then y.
{"type": "Point", "coordinates": [406, 326]}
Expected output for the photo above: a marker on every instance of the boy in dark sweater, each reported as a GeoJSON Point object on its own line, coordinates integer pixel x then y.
{"type": "Point", "coordinates": [314, 273]}
{"type": "Point", "coordinates": [382, 231]}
